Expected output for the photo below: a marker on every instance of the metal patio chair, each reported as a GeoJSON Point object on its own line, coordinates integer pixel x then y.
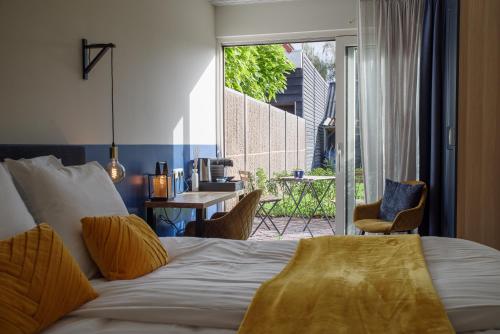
{"type": "Point", "coordinates": [262, 213]}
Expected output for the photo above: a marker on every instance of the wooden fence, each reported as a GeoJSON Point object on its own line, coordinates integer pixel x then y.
{"type": "Point", "coordinates": [258, 135]}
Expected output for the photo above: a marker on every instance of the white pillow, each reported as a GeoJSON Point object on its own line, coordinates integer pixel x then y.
{"type": "Point", "coordinates": [62, 196]}
{"type": "Point", "coordinates": [14, 216]}
{"type": "Point", "coordinates": [49, 161]}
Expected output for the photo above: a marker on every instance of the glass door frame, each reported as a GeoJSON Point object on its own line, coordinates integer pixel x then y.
{"type": "Point", "coordinates": [341, 139]}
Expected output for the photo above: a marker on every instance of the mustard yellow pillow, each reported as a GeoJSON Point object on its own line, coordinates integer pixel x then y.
{"type": "Point", "coordinates": [39, 281]}
{"type": "Point", "coordinates": [123, 247]}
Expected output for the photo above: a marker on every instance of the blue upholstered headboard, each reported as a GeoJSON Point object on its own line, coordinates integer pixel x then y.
{"type": "Point", "coordinates": [69, 154]}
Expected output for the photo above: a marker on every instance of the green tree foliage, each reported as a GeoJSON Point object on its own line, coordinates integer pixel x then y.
{"type": "Point", "coordinates": [323, 61]}
{"type": "Point", "coordinates": [258, 71]}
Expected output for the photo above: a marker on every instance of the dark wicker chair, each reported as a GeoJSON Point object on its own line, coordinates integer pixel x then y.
{"type": "Point", "coordinates": [235, 224]}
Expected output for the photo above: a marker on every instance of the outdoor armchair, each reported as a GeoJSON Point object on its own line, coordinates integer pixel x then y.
{"type": "Point", "coordinates": [366, 216]}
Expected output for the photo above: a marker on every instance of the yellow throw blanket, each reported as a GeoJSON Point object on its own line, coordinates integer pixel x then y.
{"type": "Point", "coordinates": [350, 284]}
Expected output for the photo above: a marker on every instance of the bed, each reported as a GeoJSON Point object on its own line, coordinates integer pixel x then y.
{"type": "Point", "coordinates": [209, 283]}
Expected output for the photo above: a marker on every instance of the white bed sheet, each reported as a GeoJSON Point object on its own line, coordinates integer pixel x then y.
{"type": "Point", "coordinates": [78, 325]}
{"type": "Point", "coordinates": [209, 283]}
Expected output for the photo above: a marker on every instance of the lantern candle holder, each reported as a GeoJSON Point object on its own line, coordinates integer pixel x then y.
{"type": "Point", "coordinates": [161, 187]}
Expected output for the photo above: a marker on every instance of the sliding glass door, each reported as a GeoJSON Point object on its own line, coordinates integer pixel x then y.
{"type": "Point", "coordinates": [350, 187]}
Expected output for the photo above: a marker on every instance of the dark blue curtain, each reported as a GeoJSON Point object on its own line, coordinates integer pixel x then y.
{"type": "Point", "coordinates": [437, 115]}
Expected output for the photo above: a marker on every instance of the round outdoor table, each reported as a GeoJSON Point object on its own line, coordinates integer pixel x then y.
{"type": "Point", "coordinates": [307, 184]}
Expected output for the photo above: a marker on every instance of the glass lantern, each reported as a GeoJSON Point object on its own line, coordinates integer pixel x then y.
{"type": "Point", "coordinates": [160, 183]}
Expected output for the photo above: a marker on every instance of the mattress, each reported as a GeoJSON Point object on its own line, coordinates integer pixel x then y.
{"type": "Point", "coordinates": [209, 283]}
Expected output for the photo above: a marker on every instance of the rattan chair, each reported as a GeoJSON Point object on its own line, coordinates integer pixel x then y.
{"type": "Point", "coordinates": [235, 224]}
{"type": "Point", "coordinates": [366, 216]}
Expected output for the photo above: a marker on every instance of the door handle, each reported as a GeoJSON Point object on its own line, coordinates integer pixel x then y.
{"type": "Point", "coordinates": [339, 158]}
{"type": "Point", "coordinates": [451, 137]}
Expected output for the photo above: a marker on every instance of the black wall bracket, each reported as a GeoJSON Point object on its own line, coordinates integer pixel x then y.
{"type": "Point", "coordinates": [89, 64]}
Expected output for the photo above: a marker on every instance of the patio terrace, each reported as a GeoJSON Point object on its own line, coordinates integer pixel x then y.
{"type": "Point", "coordinates": [294, 231]}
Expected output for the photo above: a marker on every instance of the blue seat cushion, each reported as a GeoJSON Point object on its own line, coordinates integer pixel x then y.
{"type": "Point", "coordinates": [398, 197]}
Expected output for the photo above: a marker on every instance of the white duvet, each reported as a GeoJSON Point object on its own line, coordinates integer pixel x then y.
{"type": "Point", "coordinates": [209, 283]}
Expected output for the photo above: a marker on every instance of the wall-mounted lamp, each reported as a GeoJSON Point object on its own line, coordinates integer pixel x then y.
{"type": "Point", "coordinates": [114, 168]}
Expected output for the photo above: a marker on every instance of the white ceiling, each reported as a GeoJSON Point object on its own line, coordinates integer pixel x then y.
{"type": "Point", "coordinates": [241, 2]}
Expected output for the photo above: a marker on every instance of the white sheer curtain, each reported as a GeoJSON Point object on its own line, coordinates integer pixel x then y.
{"type": "Point", "coordinates": [389, 53]}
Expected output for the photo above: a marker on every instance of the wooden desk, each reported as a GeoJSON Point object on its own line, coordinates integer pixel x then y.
{"type": "Point", "coordinates": [199, 200]}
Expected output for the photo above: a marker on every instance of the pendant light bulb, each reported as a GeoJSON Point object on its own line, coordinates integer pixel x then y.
{"type": "Point", "coordinates": [114, 168]}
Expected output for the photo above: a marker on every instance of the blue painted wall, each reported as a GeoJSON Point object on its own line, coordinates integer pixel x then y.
{"type": "Point", "coordinates": [140, 160]}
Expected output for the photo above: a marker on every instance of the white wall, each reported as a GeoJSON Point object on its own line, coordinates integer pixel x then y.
{"type": "Point", "coordinates": [285, 17]}
{"type": "Point", "coordinates": [164, 72]}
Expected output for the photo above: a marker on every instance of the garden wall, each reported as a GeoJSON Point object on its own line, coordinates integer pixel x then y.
{"type": "Point", "coordinates": [258, 135]}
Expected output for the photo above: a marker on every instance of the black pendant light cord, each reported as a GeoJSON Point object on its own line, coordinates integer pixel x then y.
{"type": "Point", "coordinates": [112, 100]}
